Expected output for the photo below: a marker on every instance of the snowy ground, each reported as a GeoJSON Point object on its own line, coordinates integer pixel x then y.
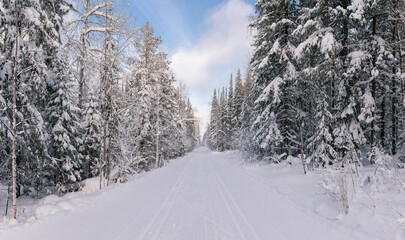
{"type": "Point", "coordinates": [210, 196]}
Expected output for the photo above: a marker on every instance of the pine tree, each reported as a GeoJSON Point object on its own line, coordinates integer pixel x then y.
{"type": "Point", "coordinates": [63, 126]}
{"type": "Point", "coordinates": [166, 118]}
{"type": "Point", "coordinates": [191, 127]}
{"type": "Point", "coordinates": [39, 64]}
{"type": "Point", "coordinates": [230, 109]}
{"type": "Point", "coordinates": [213, 137]}
{"type": "Point", "coordinates": [144, 80]}
{"type": "Point", "coordinates": [223, 129]}
{"type": "Point", "coordinates": [316, 58]}
{"type": "Point", "coordinates": [246, 143]}
{"type": "Point", "coordinates": [274, 69]}
{"type": "Point", "coordinates": [237, 103]}
{"type": "Point", "coordinates": [91, 137]}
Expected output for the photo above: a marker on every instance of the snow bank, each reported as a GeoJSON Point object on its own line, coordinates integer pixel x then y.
{"type": "Point", "coordinates": [376, 198]}
{"type": "Point", "coordinates": [91, 185]}
{"type": "Point", "coordinates": [46, 210]}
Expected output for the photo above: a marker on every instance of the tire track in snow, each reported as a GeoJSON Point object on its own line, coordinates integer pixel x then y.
{"type": "Point", "coordinates": [206, 211]}
{"type": "Point", "coordinates": [204, 197]}
{"type": "Point", "coordinates": [129, 226]}
{"type": "Point", "coordinates": [174, 189]}
{"type": "Point", "coordinates": [239, 210]}
{"type": "Point", "coordinates": [238, 227]}
{"type": "Point", "coordinates": [172, 202]}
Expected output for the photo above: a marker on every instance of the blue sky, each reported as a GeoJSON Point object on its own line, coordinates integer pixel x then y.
{"type": "Point", "coordinates": [207, 40]}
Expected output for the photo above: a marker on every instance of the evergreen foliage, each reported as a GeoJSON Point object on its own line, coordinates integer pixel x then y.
{"type": "Point", "coordinates": [130, 105]}
{"type": "Point", "coordinates": [325, 84]}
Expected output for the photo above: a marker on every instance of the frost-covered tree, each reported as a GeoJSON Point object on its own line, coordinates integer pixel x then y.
{"type": "Point", "coordinates": [144, 80]}
{"type": "Point", "coordinates": [230, 110]}
{"type": "Point", "coordinates": [245, 143]}
{"type": "Point", "coordinates": [316, 60]}
{"type": "Point", "coordinates": [192, 134]}
{"type": "Point", "coordinates": [237, 108]}
{"type": "Point", "coordinates": [92, 135]}
{"type": "Point", "coordinates": [65, 165]}
{"type": "Point", "coordinates": [38, 59]}
{"type": "Point", "coordinates": [215, 126]}
{"type": "Point", "coordinates": [274, 69]}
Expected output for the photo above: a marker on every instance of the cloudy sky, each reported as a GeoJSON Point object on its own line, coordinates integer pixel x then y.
{"type": "Point", "coordinates": [206, 40]}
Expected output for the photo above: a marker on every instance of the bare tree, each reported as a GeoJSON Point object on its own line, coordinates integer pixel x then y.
{"type": "Point", "coordinates": [94, 18]}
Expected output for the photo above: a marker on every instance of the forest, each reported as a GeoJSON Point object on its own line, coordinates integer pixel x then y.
{"type": "Point", "coordinates": [325, 84]}
{"type": "Point", "coordinates": [84, 92]}
{"type": "Point", "coordinates": [307, 140]}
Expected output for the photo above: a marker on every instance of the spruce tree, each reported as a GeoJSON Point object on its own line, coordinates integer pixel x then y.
{"type": "Point", "coordinates": [145, 79]}
{"type": "Point", "coordinates": [63, 127]}
{"type": "Point", "coordinates": [213, 137]}
{"type": "Point", "coordinates": [237, 108]}
{"type": "Point", "coordinates": [91, 137]}
{"type": "Point", "coordinates": [230, 111]}
{"type": "Point", "coordinates": [246, 143]}
{"type": "Point", "coordinates": [274, 69]}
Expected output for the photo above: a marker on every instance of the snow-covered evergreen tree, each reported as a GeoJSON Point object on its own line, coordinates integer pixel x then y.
{"type": "Point", "coordinates": [213, 138]}
{"type": "Point", "coordinates": [91, 137]}
{"type": "Point", "coordinates": [316, 57]}
{"type": "Point", "coordinates": [274, 70]}
{"type": "Point", "coordinates": [237, 108]}
{"type": "Point", "coordinates": [245, 143]}
{"type": "Point", "coordinates": [230, 110]}
{"type": "Point", "coordinates": [40, 65]}
{"type": "Point", "coordinates": [64, 130]}
{"type": "Point", "coordinates": [144, 80]}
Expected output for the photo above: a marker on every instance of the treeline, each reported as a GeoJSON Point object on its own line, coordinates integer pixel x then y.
{"type": "Point", "coordinates": [227, 105]}
{"type": "Point", "coordinates": [95, 96]}
{"type": "Point", "coordinates": [328, 85]}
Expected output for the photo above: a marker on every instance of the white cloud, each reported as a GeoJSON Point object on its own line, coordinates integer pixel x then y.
{"type": "Point", "coordinates": [223, 47]}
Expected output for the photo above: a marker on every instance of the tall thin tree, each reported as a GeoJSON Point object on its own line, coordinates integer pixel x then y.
{"type": "Point", "coordinates": [14, 167]}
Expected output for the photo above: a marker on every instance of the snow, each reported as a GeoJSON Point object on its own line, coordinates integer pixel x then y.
{"type": "Point", "coordinates": [274, 86]}
{"type": "Point", "coordinates": [96, 29]}
{"type": "Point", "coordinates": [357, 9]}
{"type": "Point", "coordinates": [323, 38]}
{"type": "Point", "coordinates": [210, 195]}
{"type": "Point", "coordinates": [356, 58]}
{"type": "Point", "coordinates": [33, 15]}
{"type": "Point", "coordinates": [328, 42]}
{"type": "Point", "coordinates": [264, 62]}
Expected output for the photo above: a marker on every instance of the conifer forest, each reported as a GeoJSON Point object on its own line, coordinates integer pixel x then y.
{"type": "Point", "coordinates": [100, 124]}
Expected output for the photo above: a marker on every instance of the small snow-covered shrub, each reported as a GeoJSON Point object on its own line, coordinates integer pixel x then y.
{"type": "Point", "coordinates": [334, 183]}
{"type": "Point", "coordinates": [386, 174]}
{"type": "Point", "coordinates": [344, 183]}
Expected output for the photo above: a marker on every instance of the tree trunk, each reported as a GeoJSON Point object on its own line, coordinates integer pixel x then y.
{"type": "Point", "coordinates": [394, 87]}
{"type": "Point", "coordinates": [83, 52]}
{"type": "Point", "coordinates": [8, 190]}
{"type": "Point", "coordinates": [157, 130]}
{"type": "Point", "coordinates": [382, 117]}
{"type": "Point", "coordinates": [399, 47]}
{"type": "Point", "coordinates": [100, 169]}
{"type": "Point", "coordinates": [14, 167]}
{"type": "Point", "coordinates": [373, 88]}
{"type": "Point", "coordinates": [108, 172]}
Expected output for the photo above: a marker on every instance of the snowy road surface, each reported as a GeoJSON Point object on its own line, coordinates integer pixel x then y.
{"type": "Point", "coordinates": [204, 195]}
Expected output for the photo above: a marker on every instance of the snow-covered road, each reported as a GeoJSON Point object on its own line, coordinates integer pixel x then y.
{"type": "Point", "coordinates": [204, 195]}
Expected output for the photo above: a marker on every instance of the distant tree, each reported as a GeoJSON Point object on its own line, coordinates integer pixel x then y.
{"type": "Point", "coordinates": [237, 110]}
